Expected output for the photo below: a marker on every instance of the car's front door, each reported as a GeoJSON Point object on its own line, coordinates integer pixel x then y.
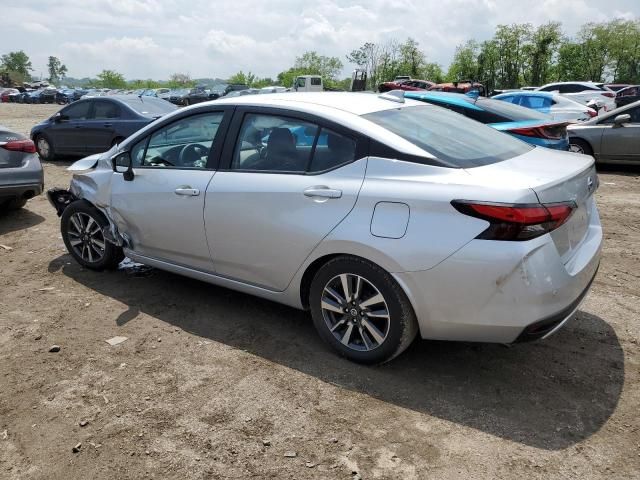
{"type": "Point", "coordinates": [622, 142]}
{"type": "Point", "coordinates": [67, 131]}
{"type": "Point", "coordinates": [278, 196]}
{"type": "Point", "coordinates": [99, 128]}
{"type": "Point", "coordinates": [161, 210]}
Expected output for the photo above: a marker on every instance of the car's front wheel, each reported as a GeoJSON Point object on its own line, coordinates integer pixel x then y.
{"type": "Point", "coordinates": [82, 228]}
{"type": "Point", "coordinates": [361, 311]}
{"type": "Point", "coordinates": [45, 148]}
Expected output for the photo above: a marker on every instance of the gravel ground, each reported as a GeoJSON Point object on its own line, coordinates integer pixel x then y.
{"type": "Point", "coordinates": [216, 384]}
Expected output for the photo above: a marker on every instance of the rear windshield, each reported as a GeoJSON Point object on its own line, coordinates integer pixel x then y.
{"type": "Point", "coordinates": [149, 106]}
{"type": "Point", "coordinates": [510, 111]}
{"type": "Point", "coordinates": [449, 136]}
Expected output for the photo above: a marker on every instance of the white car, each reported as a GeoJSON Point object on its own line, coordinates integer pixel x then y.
{"type": "Point", "coordinates": [583, 92]}
{"type": "Point", "coordinates": [553, 104]}
{"type": "Point", "coordinates": [384, 217]}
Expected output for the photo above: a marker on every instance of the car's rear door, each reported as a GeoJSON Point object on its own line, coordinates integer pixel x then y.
{"type": "Point", "coordinates": [276, 197]}
{"type": "Point", "coordinates": [99, 129]}
{"type": "Point", "coordinates": [160, 211]}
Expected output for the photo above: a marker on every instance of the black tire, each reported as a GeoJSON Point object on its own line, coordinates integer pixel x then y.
{"type": "Point", "coordinates": [578, 145]}
{"type": "Point", "coordinates": [46, 154]}
{"type": "Point", "coordinates": [104, 258]}
{"type": "Point", "coordinates": [400, 327]}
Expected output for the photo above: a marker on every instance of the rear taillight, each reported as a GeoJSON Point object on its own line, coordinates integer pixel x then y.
{"type": "Point", "coordinates": [516, 222]}
{"type": "Point", "coordinates": [552, 132]}
{"type": "Point", "coordinates": [591, 112]}
{"type": "Point", "coordinates": [26, 146]}
{"type": "Point", "coordinates": [609, 94]}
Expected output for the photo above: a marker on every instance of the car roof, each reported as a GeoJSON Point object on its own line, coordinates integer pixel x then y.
{"type": "Point", "coordinates": [356, 103]}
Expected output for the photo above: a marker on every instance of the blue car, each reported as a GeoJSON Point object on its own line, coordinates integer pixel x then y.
{"type": "Point", "coordinates": [528, 125]}
{"type": "Point", "coordinates": [94, 125]}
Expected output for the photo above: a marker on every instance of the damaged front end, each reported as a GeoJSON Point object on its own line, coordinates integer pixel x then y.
{"type": "Point", "coordinates": [91, 182]}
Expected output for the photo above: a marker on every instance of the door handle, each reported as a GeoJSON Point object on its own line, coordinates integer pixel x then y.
{"type": "Point", "coordinates": [323, 192]}
{"type": "Point", "coordinates": [187, 191]}
{"type": "Point", "coordinates": [108, 124]}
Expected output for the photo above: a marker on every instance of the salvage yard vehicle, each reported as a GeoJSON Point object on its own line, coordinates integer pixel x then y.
{"type": "Point", "coordinates": [553, 104]}
{"type": "Point", "coordinates": [583, 92]}
{"type": "Point", "coordinates": [400, 217]}
{"type": "Point", "coordinates": [308, 83]}
{"type": "Point", "coordinates": [95, 124]}
{"type": "Point", "coordinates": [613, 137]}
{"type": "Point", "coordinates": [21, 174]}
{"type": "Point", "coordinates": [627, 95]}
{"type": "Point", "coordinates": [528, 125]}
{"type": "Point", "coordinates": [408, 85]}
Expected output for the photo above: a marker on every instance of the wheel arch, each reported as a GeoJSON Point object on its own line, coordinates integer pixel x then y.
{"type": "Point", "coordinates": [583, 139]}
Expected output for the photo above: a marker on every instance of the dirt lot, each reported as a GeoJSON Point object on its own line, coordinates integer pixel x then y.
{"type": "Point", "coordinates": [216, 384]}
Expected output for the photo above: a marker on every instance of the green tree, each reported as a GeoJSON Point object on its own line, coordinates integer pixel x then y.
{"type": "Point", "coordinates": [242, 78]}
{"type": "Point", "coordinates": [57, 71]}
{"type": "Point", "coordinates": [311, 63]}
{"type": "Point", "coordinates": [544, 45]}
{"type": "Point", "coordinates": [180, 80]}
{"type": "Point", "coordinates": [433, 72]}
{"type": "Point", "coordinates": [111, 79]}
{"type": "Point", "coordinates": [17, 65]}
{"type": "Point", "coordinates": [464, 65]}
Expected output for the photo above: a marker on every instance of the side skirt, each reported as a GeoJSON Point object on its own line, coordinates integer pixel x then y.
{"type": "Point", "coordinates": [279, 297]}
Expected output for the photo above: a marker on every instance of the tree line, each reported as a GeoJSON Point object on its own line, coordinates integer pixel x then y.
{"type": "Point", "coordinates": [517, 55]}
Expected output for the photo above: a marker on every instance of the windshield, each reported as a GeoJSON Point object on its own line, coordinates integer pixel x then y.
{"type": "Point", "coordinates": [510, 111]}
{"type": "Point", "coordinates": [449, 136]}
{"type": "Point", "coordinates": [149, 106]}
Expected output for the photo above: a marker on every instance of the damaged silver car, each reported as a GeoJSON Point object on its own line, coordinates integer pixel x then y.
{"type": "Point", "coordinates": [381, 215]}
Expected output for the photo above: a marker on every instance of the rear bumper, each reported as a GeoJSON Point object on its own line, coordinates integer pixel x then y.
{"type": "Point", "coordinates": [25, 181]}
{"type": "Point", "coordinates": [491, 291]}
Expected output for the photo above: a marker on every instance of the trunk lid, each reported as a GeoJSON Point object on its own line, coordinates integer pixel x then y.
{"type": "Point", "coordinates": [555, 177]}
{"type": "Point", "coordinates": [8, 158]}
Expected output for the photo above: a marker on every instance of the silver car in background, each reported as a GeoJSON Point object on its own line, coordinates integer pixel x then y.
{"type": "Point", "coordinates": [613, 137]}
{"type": "Point", "coordinates": [21, 174]}
{"type": "Point", "coordinates": [383, 216]}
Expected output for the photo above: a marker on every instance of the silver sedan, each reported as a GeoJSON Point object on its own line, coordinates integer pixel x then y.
{"type": "Point", "coordinates": [385, 217]}
{"type": "Point", "coordinates": [613, 137]}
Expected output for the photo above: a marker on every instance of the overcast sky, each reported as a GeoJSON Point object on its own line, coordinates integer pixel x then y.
{"type": "Point", "coordinates": [211, 38]}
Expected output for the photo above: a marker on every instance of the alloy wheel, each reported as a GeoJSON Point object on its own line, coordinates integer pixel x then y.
{"type": "Point", "coordinates": [355, 312]}
{"type": "Point", "coordinates": [43, 148]}
{"type": "Point", "coordinates": [576, 148]}
{"type": "Point", "coordinates": [86, 237]}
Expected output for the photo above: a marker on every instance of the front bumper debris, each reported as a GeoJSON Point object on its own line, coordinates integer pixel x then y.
{"type": "Point", "coordinates": [59, 198]}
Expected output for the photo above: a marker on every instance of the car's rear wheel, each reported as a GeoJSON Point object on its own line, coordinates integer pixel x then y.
{"type": "Point", "coordinates": [361, 311]}
{"type": "Point", "coordinates": [82, 228]}
{"type": "Point", "coordinates": [45, 148]}
{"type": "Point", "coordinates": [577, 145]}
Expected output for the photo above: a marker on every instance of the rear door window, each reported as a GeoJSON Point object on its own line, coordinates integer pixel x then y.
{"type": "Point", "coordinates": [104, 110]}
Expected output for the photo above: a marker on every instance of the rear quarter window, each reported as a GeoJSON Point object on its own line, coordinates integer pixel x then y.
{"type": "Point", "coordinates": [453, 139]}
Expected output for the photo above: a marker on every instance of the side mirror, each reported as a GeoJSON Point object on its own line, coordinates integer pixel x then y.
{"type": "Point", "coordinates": [622, 119]}
{"type": "Point", "coordinates": [122, 164]}
{"type": "Point", "coordinates": [59, 117]}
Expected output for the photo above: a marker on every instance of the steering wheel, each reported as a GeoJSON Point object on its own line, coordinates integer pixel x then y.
{"type": "Point", "coordinates": [160, 161]}
{"type": "Point", "coordinates": [191, 153]}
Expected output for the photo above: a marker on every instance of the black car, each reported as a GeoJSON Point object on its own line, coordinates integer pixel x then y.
{"type": "Point", "coordinates": [48, 95]}
{"type": "Point", "coordinates": [627, 95]}
{"type": "Point", "coordinates": [198, 95]}
{"type": "Point", "coordinates": [233, 87]}
{"type": "Point", "coordinates": [177, 96]}
{"type": "Point", "coordinates": [94, 125]}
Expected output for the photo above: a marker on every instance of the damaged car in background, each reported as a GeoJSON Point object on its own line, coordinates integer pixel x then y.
{"type": "Point", "coordinates": [399, 218]}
